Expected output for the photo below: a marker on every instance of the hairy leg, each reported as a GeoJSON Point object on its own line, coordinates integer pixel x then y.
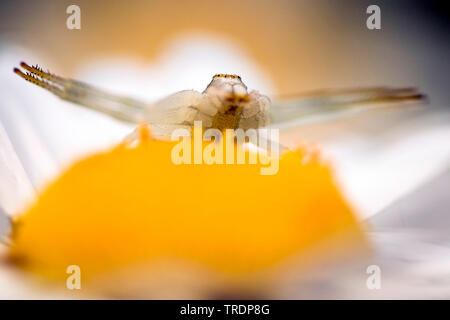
{"type": "Point", "coordinates": [122, 108]}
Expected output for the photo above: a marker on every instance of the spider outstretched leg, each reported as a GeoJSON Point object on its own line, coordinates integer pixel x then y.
{"type": "Point", "coordinates": [122, 108]}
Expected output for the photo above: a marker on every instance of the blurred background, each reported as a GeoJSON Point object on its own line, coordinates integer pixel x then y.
{"type": "Point", "coordinates": [148, 49]}
{"type": "Point", "coordinates": [297, 45]}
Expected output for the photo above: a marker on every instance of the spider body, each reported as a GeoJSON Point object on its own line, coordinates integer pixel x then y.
{"type": "Point", "coordinates": [226, 103]}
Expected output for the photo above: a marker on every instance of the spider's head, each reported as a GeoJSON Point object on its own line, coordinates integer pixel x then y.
{"type": "Point", "coordinates": [228, 87]}
{"type": "Point", "coordinates": [237, 108]}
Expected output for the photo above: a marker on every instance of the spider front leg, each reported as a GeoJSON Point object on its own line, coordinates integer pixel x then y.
{"type": "Point", "coordinates": [122, 108]}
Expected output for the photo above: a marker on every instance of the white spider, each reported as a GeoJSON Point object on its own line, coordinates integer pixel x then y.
{"type": "Point", "coordinates": [226, 103]}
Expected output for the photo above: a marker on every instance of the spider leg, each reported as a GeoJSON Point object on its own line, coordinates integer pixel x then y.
{"type": "Point", "coordinates": [122, 108]}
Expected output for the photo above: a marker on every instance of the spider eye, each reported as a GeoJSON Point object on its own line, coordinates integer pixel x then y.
{"type": "Point", "coordinates": [228, 76]}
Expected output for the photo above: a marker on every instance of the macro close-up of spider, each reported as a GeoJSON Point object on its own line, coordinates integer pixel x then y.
{"type": "Point", "coordinates": [169, 154]}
